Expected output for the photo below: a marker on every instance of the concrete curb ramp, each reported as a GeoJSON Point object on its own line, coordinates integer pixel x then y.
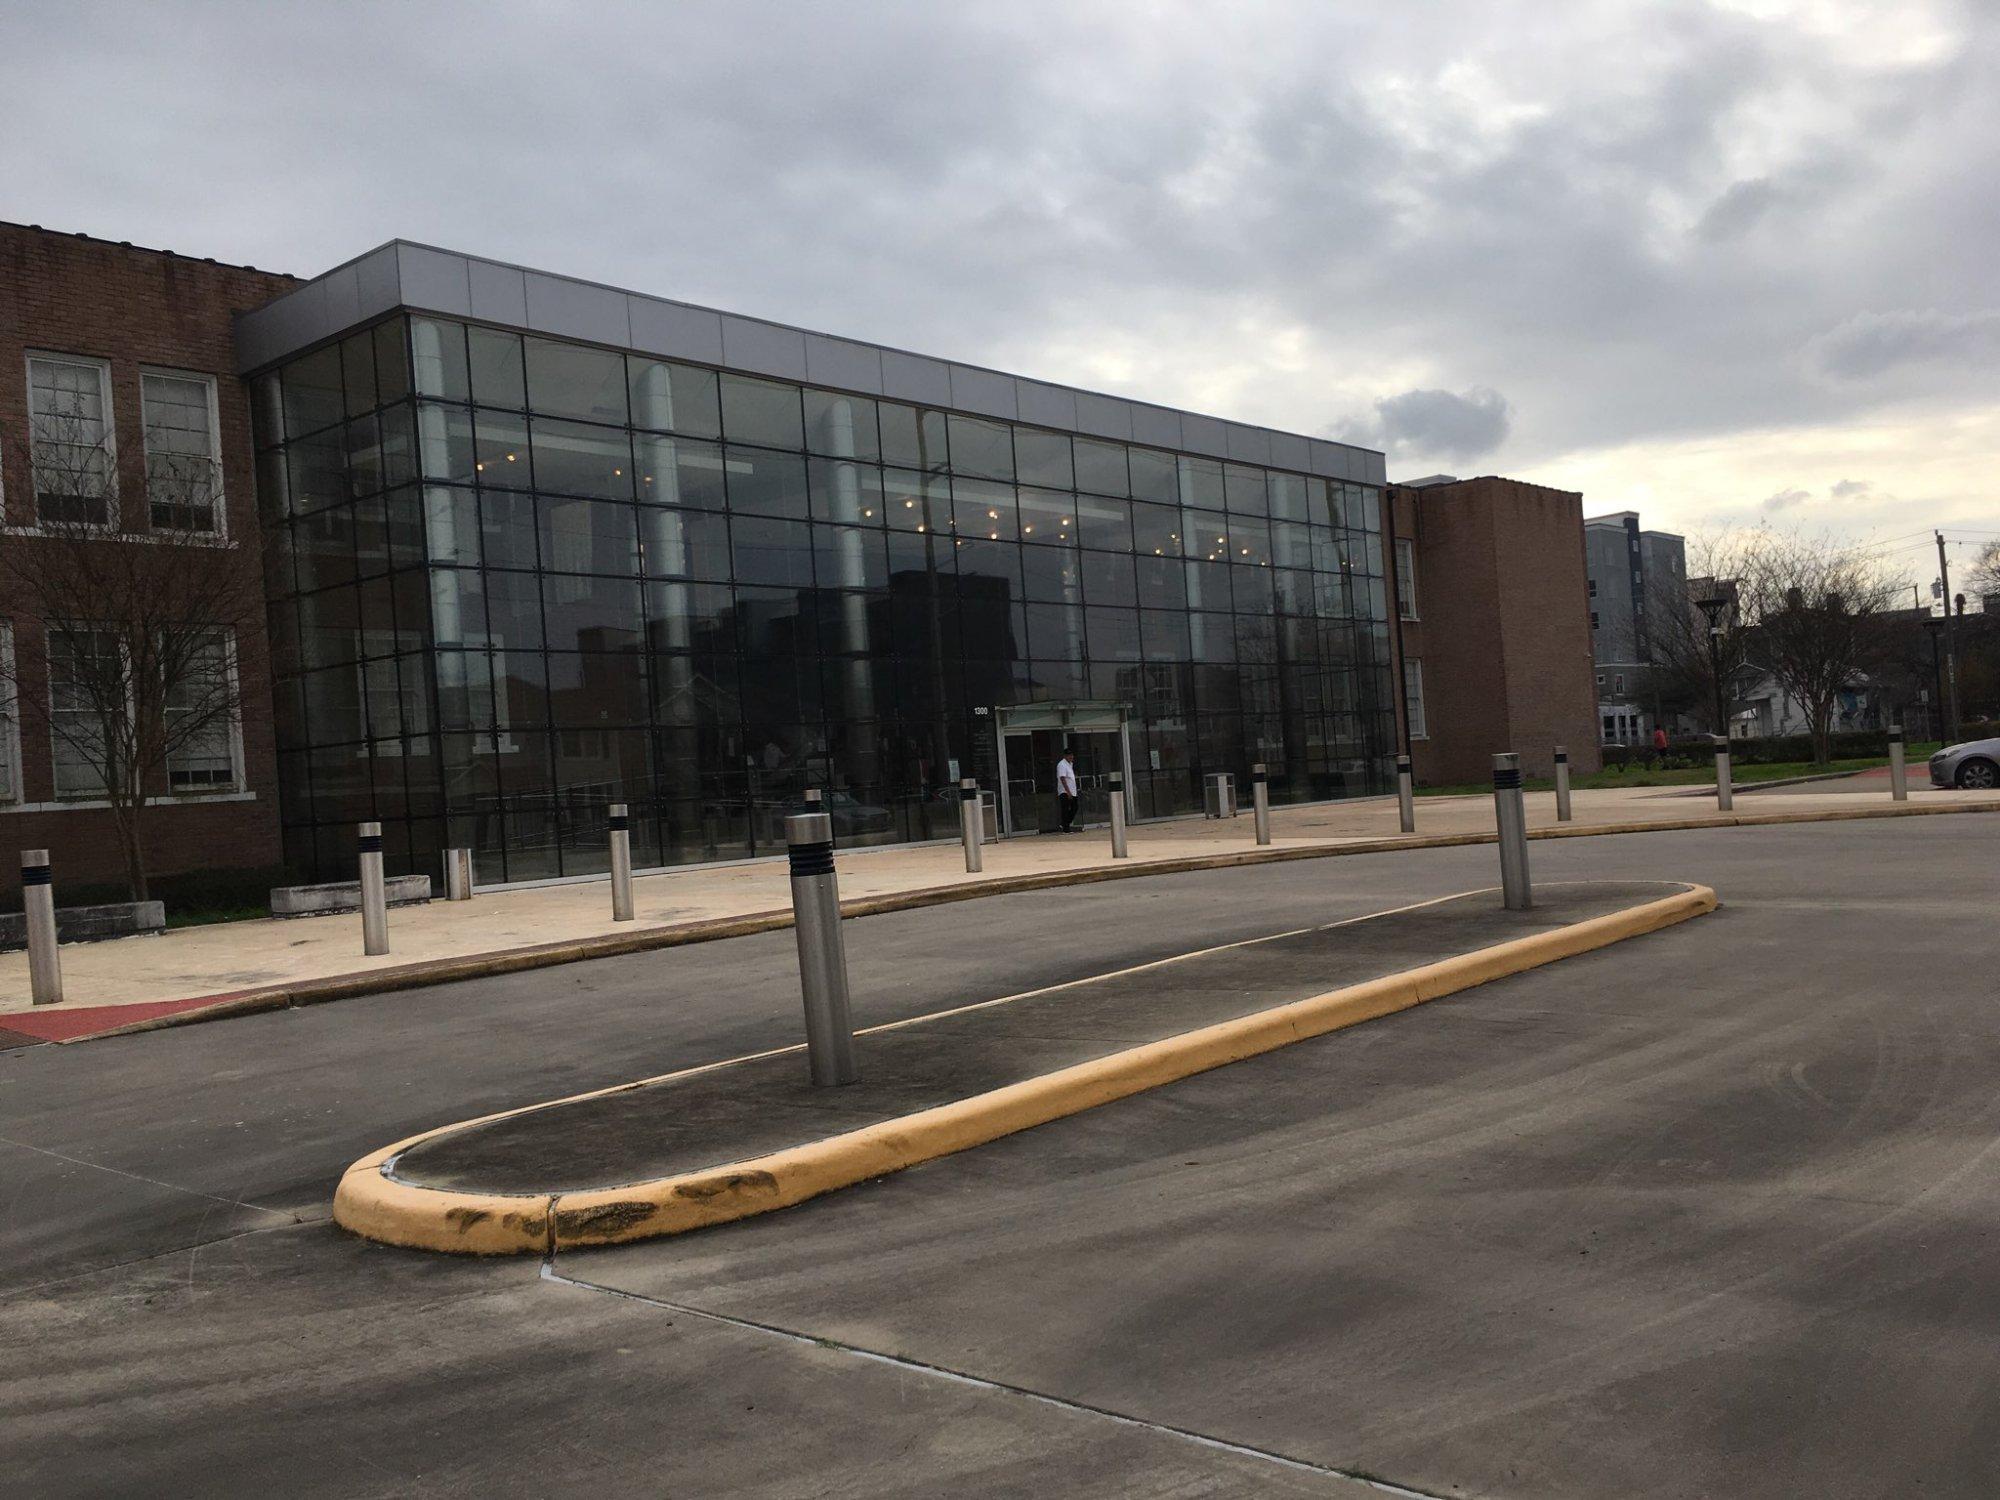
{"type": "Point", "coordinates": [437, 971]}
{"type": "Point", "coordinates": [373, 1203]}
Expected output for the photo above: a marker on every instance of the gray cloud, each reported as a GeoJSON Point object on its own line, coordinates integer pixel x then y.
{"type": "Point", "coordinates": [1785, 500]}
{"type": "Point", "coordinates": [1739, 209]}
{"type": "Point", "coordinates": [1870, 344]}
{"type": "Point", "coordinates": [1851, 489]}
{"type": "Point", "coordinates": [1435, 424]}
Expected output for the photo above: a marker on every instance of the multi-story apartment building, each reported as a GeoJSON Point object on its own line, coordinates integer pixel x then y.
{"type": "Point", "coordinates": [1633, 574]}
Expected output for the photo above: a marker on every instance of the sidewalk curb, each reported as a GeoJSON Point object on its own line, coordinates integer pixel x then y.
{"type": "Point", "coordinates": [374, 1205]}
{"type": "Point", "coordinates": [546, 955]}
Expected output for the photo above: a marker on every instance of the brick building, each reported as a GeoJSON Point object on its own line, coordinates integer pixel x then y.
{"type": "Point", "coordinates": [136, 347]}
{"type": "Point", "coordinates": [1493, 627]}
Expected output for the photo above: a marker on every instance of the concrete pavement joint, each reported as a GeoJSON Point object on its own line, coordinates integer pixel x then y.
{"type": "Point", "coordinates": [979, 1382]}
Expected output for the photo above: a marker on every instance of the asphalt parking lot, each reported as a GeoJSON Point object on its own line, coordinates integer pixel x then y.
{"type": "Point", "coordinates": [1712, 1212]}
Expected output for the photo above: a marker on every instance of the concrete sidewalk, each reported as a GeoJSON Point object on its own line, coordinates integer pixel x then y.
{"type": "Point", "coordinates": [203, 967]}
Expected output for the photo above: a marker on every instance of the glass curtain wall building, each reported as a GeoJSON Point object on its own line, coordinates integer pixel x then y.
{"type": "Point", "coordinates": [515, 578]}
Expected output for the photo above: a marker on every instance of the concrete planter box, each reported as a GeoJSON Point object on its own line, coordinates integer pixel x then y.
{"type": "Point", "coordinates": [345, 895]}
{"type": "Point", "coordinates": [88, 924]}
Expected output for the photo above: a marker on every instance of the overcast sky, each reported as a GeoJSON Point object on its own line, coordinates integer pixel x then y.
{"type": "Point", "coordinates": [1719, 261]}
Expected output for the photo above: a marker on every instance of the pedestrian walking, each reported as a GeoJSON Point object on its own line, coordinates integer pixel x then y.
{"type": "Point", "coordinates": [1066, 790]}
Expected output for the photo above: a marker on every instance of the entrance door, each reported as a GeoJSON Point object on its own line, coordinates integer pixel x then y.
{"type": "Point", "coordinates": [1032, 740]}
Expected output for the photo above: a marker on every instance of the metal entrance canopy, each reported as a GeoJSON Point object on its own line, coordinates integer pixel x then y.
{"type": "Point", "coordinates": [1084, 718]}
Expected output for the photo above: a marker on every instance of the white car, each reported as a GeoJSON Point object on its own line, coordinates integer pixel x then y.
{"type": "Point", "coordinates": [1974, 765]}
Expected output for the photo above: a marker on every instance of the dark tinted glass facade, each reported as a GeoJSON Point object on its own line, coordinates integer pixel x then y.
{"type": "Point", "coordinates": [515, 579]}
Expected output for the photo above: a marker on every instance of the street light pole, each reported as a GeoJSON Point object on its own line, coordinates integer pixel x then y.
{"type": "Point", "coordinates": [1713, 607]}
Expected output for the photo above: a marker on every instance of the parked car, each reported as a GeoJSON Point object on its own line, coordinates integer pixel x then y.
{"type": "Point", "coordinates": [1974, 764]}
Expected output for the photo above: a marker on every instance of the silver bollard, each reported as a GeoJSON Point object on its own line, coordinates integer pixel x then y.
{"type": "Point", "coordinates": [822, 953]}
{"type": "Point", "coordinates": [1512, 820]}
{"type": "Point", "coordinates": [1406, 795]}
{"type": "Point", "coordinates": [458, 874]}
{"type": "Point", "coordinates": [1562, 783]}
{"type": "Point", "coordinates": [1260, 802]}
{"type": "Point", "coordinates": [1899, 776]}
{"type": "Point", "coordinates": [1116, 782]}
{"type": "Point", "coordinates": [970, 816]}
{"type": "Point", "coordinates": [1725, 794]}
{"type": "Point", "coordinates": [619, 827]}
{"type": "Point", "coordinates": [374, 898]}
{"type": "Point", "coordinates": [38, 905]}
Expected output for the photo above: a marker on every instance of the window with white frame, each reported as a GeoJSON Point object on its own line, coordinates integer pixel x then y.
{"type": "Point", "coordinates": [1406, 578]}
{"type": "Point", "coordinates": [1413, 697]}
{"type": "Point", "coordinates": [10, 723]}
{"type": "Point", "coordinates": [183, 451]}
{"type": "Point", "coordinates": [203, 755]}
{"type": "Point", "coordinates": [83, 664]}
{"type": "Point", "coordinates": [70, 440]}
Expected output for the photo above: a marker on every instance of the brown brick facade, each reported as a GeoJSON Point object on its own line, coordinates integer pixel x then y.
{"type": "Point", "coordinates": [131, 308]}
{"type": "Point", "coordinates": [1502, 627]}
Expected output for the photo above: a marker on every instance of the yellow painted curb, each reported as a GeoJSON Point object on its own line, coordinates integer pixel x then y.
{"type": "Point", "coordinates": [372, 1203]}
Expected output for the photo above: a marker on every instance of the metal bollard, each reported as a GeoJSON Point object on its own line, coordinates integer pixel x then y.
{"type": "Point", "coordinates": [38, 905]}
{"type": "Point", "coordinates": [458, 874]}
{"type": "Point", "coordinates": [1512, 820]}
{"type": "Point", "coordinates": [1406, 795]}
{"type": "Point", "coordinates": [822, 954]}
{"type": "Point", "coordinates": [1899, 776]}
{"type": "Point", "coordinates": [1725, 794]}
{"type": "Point", "coordinates": [1116, 781]}
{"type": "Point", "coordinates": [1562, 783]}
{"type": "Point", "coordinates": [1260, 802]}
{"type": "Point", "coordinates": [374, 899]}
{"type": "Point", "coordinates": [619, 826]}
{"type": "Point", "coordinates": [969, 820]}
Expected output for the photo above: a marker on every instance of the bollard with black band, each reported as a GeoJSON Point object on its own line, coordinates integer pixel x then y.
{"type": "Point", "coordinates": [822, 953]}
{"type": "Point", "coordinates": [1562, 783]}
{"type": "Point", "coordinates": [1725, 793]}
{"type": "Point", "coordinates": [1260, 802]}
{"type": "Point", "coordinates": [38, 905]}
{"type": "Point", "coordinates": [1899, 776]}
{"type": "Point", "coordinates": [374, 896]}
{"type": "Point", "coordinates": [458, 874]}
{"type": "Point", "coordinates": [1406, 796]}
{"type": "Point", "coordinates": [1116, 781]}
{"type": "Point", "coordinates": [1511, 818]}
{"type": "Point", "coordinates": [970, 815]}
{"type": "Point", "coordinates": [618, 825]}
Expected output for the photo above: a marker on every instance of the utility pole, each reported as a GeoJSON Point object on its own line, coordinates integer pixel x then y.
{"type": "Point", "coordinates": [1950, 643]}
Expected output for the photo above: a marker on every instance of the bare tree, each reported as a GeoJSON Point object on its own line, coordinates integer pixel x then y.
{"type": "Point", "coordinates": [1815, 612]}
{"type": "Point", "coordinates": [1982, 579]}
{"type": "Point", "coordinates": [1686, 657]}
{"type": "Point", "coordinates": [136, 687]}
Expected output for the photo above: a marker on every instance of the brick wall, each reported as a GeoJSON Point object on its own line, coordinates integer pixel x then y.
{"type": "Point", "coordinates": [1503, 629]}
{"type": "Point", "coordinates": [132, 308]}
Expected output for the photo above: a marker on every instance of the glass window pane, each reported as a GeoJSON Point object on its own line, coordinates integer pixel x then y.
{"type": "Point", "coordinates": [318, 469]}
{"type": "Point", "coordinates": [763, 412]}
{"type": "Point", "coordinates": [444, 443]}
{"type": "Point", "coordinates": [1164, 634]}
{"type": "Point", "coordinates": [594, 689]}
{"type": "Point", "coordinates": [1249, 540]}
{"type": "Point", "coordinates": [685, 543]}
{"type": "Point", "coordinates": [438, 350]}
{"type": "Point", "coordinates": [913, 438]}
{"type": "Point", "coordinates": [1049, 517]}
{"type": "Point", "coordinates": [451, 525]}
{"type": "Point", "coordinates": [500, 449]}
{"type": "Point", "coordinates": [1201, 483]}
{"type": "Point", "coordinates": [392, 361]}
{"type": "Point", "coordinates": [1043, 458]}
{"type": "Point", "coordinates": [588, 536]}
{"type": "Point", "coordinates": [1052, 574]}
{"type": "Point", "coordinates": [514, 611]}
{"type": "Point", "coordinates": [985, 509]}
{"type": "Point", "coordinates": [569, 380]}
{"type": "Point", "coordinates": [674, 398]}
{"type": "Point", "coordinates": [679, 471]}
{"type": "Point", "coordinates": [1287, 495]}
{"type": "Point", "coordinates": [592, 614]}
{"type": "Point", "coordinates": [771, 552]}
{"type": "Point", "coordinates": [845, 491]}
{"type": "Point", "coordinates": [1103, 522]}
{"type": "Point", "coordinates": [1250, 587]}
{"type": "Point", "coordinates": [495, 359]}
{"type": "Point", "coordinates": [771, 484]}
{"type": "Point", "coordinates": [917, 502]}
{"type": "Point", "coordinates": [984, 450]}
{"type": "Point", "coordinates": [1207, 584]}
{"type": "Point", "coordinates": [851, 557]}
{"type": "Point", "coordinates": [582, 460]}
{"type": "Point", "coordinates": [507, 529]}
{"type": "Point", "coordinates": [841, 426]}
{"type": "Point", "coordinates": [1206, 534]}
{"type": "Point", "coordinates": [1113, 633]}
{"type": "Point", "coordinates": [1162, 582]}
{"type": "Point", "coordinates": [1156, 530]}
{"type": "Point", "coordinates": [357, 362]}
{"type": "Point", "coordinates": [312, 387]}
{"type": "Point", "coordinates": [1244, 487]}
{"type": "Point", "coordinates": [1154, 476]}
{"type": "Point", "coordinates": [1100, 467]}
{"type": "Point", "coordinates": [1108, 578]}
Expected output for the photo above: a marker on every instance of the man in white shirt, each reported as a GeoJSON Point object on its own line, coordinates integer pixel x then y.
{"type": "Point", "coordinates": [1066, 790]}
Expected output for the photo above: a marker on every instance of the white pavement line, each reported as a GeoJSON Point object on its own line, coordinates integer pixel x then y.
{"type": "Point", "coordinates": [96, 1166]}
{"type": "Point", "coordinates": [959, 1377]}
